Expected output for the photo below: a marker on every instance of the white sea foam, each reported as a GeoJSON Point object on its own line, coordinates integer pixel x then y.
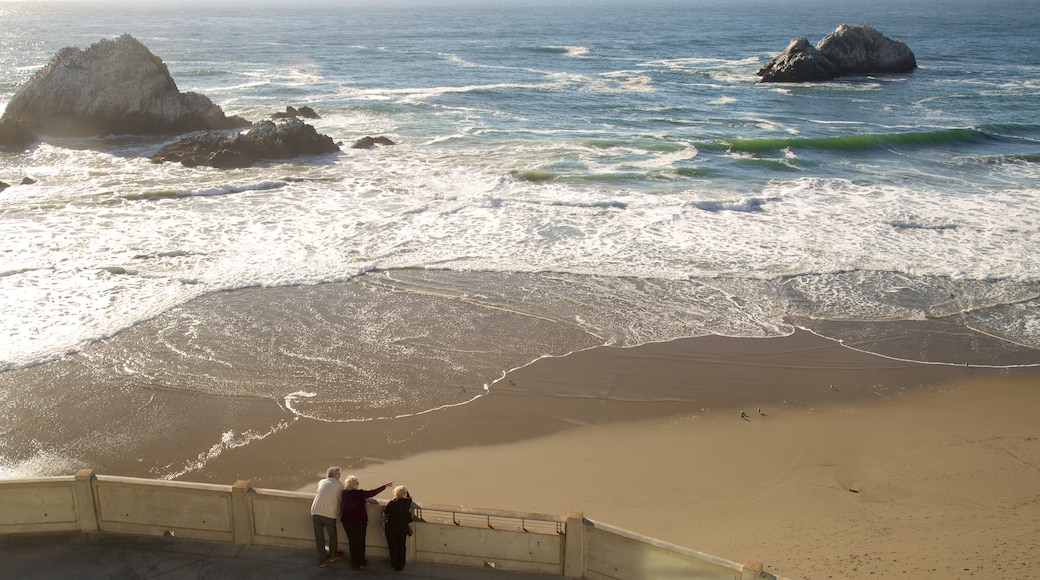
{"type": "Point", "coordinates": [43, 462]}
{"type": "Point", "coordinates": [385, 208]}
{"type": "Point", "coordinates": [753, 204]}
{"type": "Point", "coordinates": [228, 440]}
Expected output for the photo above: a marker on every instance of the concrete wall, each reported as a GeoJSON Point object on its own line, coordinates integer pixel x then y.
{"type": "Point", "coordinates": [570, 545]}
{"type": "Point", "coordinates": [38, 505]}
{"type": "Point", "coordinates": [142, 506]}
{"type": "Point", "coordinates": [503, 549]}
{"type": "Point", "coordinates": [616, 554]}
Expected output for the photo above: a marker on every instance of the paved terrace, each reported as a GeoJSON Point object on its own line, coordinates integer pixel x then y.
{"type": "Point", "coordinates": [104, 555]}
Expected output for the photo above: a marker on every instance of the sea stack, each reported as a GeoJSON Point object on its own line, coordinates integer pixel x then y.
{"type": "Point", "coordinates": [850, 50]}
{"type": "Point", "coordinates": [113, 87]}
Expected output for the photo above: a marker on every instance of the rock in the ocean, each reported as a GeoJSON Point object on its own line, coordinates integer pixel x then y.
{"type": "Point", "coordinates": [860, 49]}
{"type": "Point", "coordinates": [265, 141]}
{"type": "Point", "coordinates": [291, 112]}
{"type": "Point", "coordinates": [849, 50]}
{"type": "Point", "coordinates": [113, 87]}
{"type": "Point", "coordinates": [799, 62]}
{"type": "Point", "coordinates": [370, 142]}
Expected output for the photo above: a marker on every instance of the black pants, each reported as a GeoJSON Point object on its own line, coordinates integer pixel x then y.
{"type": "Point", "coordinates": [356, 541]}
{"type": "Point", "coordinates": [395, 541]}
{"type": "Point", "coordinates": [323, 525]}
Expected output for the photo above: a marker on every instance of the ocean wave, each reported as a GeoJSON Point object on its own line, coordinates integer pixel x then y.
{"type": "Point", "coordinates": [691, 171]}
{"type": "Point", "coordinates": [854, 142]}
{"type": "Point", "coordinates": [594, 204]}
{"type": "Point", "coordinates": [203, 72]}
{"type": "Point", "coordinates": [1010, 129]}
{"type": "Point", "coordinates": [1026, 157]}
{"type": "Point", "coordinates": [652, 145]}
{"type": "Point", "coordinates": [574, 51]}
{"type": "Point", "coordinates": [615, 177]}
{"type": "Point", "coordinates": [157, 194]}
{"type": "Point", "coordinates": [228, 440]}
{"type": "Point", "coordinates": [913, 225]}
{"type": "Point", "coordinates": [17, 271]}
{"type": "Point", "coordinates": [607, 177]}
{"type": "Point", "coordinates": [787, 164]}
{"type": "Point", "coordinates": [533, 175]}
{"type": "Point", "coordinates": [748, 205]}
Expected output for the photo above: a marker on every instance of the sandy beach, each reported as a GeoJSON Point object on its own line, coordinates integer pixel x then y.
{"type": "Point", "coordinates": [942, 483]}
{"type": "Point", "coordinates": [847, 466]}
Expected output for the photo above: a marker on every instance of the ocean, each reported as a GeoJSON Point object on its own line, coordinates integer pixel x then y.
{"type": "Point", "coordinates": [564, 176]}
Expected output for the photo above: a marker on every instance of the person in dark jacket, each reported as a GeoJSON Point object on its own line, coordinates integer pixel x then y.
{"type": "Point", "coordinates": [354, 516]}
{"type": "Point", "coordinates": [397, 515]}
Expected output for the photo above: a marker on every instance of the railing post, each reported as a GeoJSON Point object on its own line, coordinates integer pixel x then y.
{"type": "Point", "coordinates": [83, 495]}
{"type": "Point", "coordinates": [241, 513]}
{"type": "Point", "coordinates": [574, 546]}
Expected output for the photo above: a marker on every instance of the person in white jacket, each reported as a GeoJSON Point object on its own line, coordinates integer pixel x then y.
{"type": "Point", "coordinates": [324, 512]}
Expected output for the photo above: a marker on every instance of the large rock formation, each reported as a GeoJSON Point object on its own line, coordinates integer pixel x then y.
{"type": "Point", "coordinates": [849, 50]}
{"type": "Point", "coordinates": [113, 87]}
{"type": "Point", "coordinates": [266, 140]}
{"type": "Point", "coordinates": [15, 135]}
{"type": "Point", "coordinates": [800, 62]}
{"type": "Point", "coordinates": [859, 49]}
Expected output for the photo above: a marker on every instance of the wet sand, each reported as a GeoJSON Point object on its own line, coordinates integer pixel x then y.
{"type": "Point", "coordinates": [695, 377]}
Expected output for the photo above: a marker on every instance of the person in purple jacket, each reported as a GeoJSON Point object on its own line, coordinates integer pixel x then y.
{"type": "Point", "coordinates": [354, 516]}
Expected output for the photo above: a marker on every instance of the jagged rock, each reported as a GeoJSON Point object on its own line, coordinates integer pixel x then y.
{"type": "Point", "coordinates": [3, 186]}
{"type": "Point", "coordinates": [15, 135]}
{"type": "Point", "coordinates": [849, 50]}
{"type": "Point", "coordinates": [292, 112]}
{"type": "Point", "coordinates": [860, 49]}
{"type": "Point", "coordinates": [370, 142]}
{"type": "Point", "coordinates": [265, 140]}
{"type": "Point", "coordinates": [113, 87]}
{"type": "Point", "coordinates": [799, 62]}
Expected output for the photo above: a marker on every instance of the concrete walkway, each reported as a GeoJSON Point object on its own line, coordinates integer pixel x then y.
{"type": "Point", "coordinates": [104, 556]}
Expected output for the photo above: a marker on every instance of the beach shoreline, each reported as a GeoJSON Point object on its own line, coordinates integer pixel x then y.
{"type": "Point", "coordinates": [694, 377]}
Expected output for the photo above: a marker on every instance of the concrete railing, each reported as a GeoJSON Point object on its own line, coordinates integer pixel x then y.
{"type": "Point", "coordinates": [569, 546]}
